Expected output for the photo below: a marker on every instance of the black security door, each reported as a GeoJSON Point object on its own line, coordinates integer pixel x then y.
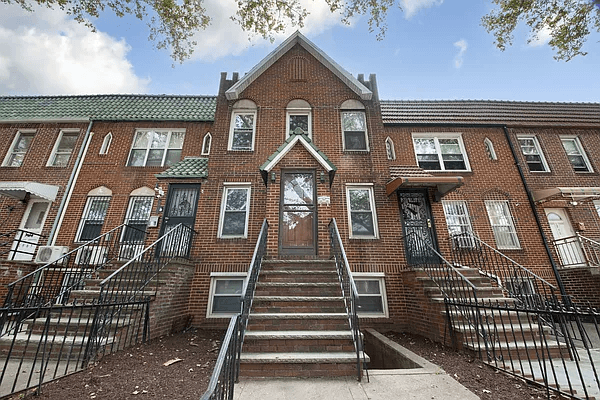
{"type": "Point", "coordinates": [182, 202]}
{"type": "Point", "coordinates": [417, 227]}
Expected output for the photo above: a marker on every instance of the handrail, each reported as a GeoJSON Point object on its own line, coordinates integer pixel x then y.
{"type": "Point", "coordinates": [350, 294]}
{"type": "Point", "coordinates": [577, 250]}
{"type": "Point", "coordinates": [9, 243]}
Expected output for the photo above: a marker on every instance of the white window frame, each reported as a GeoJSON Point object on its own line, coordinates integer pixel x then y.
{"type": "Point", "coordinates": [228, 186]}
{"type": "Point", "coordinates": [436, 137]}
{"type": "Point", "coordinates": [11, 151]}
{"type": "Point", "coordinates": [232, 127]}
{"type": "Point", "coordinates": [364, 115]}
{"type": "Point", "coordinates": [512, 231]}
{"type": "Point", "coordinates": [538, 149]}
{"type": "Point", "coordinates": [214, 277]}
{"type": "Point", "coordinates": [206, 149]}
{"type": "Point", "coordinates": [148, 146]}
{"type": "Point", "coordinates": [597, 206]}
{"type": "Point", "coordinates": [106, 142]}
{"type": "Point", "coordinates": [291, 112]}
{"type": "Point", "coordinates": [390, 150]}
{"type": "Point", "coordinates": [489, 147]}
{"type": "Point", "coordinates": [466, 226]}
{"type": "Point", "coordinates": [52, 158]}
{"type": "Point", "coordinates": [84, 216]}
{"type": "Point", "coordinates": [373, 276]}
{"type": "Point", "coordinates": [581, 151]}
{"type": "Point", "coordinates": [362, 186]}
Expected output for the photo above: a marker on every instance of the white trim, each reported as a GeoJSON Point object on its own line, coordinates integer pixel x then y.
{"type": "Point", "coordinates": [489, 146]}
{"type": "Point", "coordinates": [442, 135]}
{"type": "Point", "coordinates": [362, 186]}
{"type": "Point", "coordinates": [581, 150]}
{"type": "Point", "coordinates": [307, 146]}
{"type": "Point", "coordinates": [11, 149]}
{"type": "Point", "coordinates": [169, 132]}
{"type": "Point", "coordinates": [538, 148]}
{"type": "Point", "coordinates": [214, 277]}
{"type": "Point", "coordinates": [226, 187]}
{"type": "Point", "coordinates": [374, 276]}
{"type": "Point", "coordinates": [362, 112]}
{"type": "Point", "coordinates": [106, 142]}
{"type": "Point", "coordinates": [204, 151]}
{"type": "Point", "coordinates": [391, 155]}
{"type": "Point", "coordinates": [298, 111]}
{"type": "Point", "coordinates": [51, 159]}
{"type": "Point", "coordinates": [234, 113]}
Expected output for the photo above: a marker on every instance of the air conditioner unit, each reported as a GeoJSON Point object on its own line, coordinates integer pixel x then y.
{"type": "Point", "coordinates": [48, 254]}
{"type": "Point", "coordinates": [92, 255]}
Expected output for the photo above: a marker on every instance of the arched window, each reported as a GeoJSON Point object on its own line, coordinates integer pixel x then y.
{"type": "Point", "coordinates": [206, 144]}
{"type": "Point", "coordinates": [389, 149]}
{"type": "Point", "coordinates": [489, 148]}
{"type": "Point", "coordinates": [138, 215]}
{"type": "Point", "coordinates": [299, 118]}
{"type": "Point", "coordinates": [94, 214]}
{"type": "Point", "coordinates": [106, 143]}
{"type": "Point", "coordinates": [243, 126]}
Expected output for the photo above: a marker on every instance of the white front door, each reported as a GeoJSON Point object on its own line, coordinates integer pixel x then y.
{"type": "Point", "coordinates": [25, 242]}
{"type": "Point", "coordinates": [567, 244]}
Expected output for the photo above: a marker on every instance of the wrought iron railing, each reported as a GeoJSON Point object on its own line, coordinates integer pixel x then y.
{"type": "Point", "coordinates": [350, 294]}
{"type": "Point", "coordinates": [577, 251]}
{"type": "Point", "coordinates": [227, 367]}
{"type": "Point", "coordinates": [53, 283]}
{"type": "Point", "coordinates": [11, 244]}
{"type": "Point", "coordinates": [512, 278]}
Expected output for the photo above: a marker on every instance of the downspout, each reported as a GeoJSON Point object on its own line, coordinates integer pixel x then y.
{"type": "Point", "coordinates": [71, 185]}
{"type": "Point", "coordinates": [561, 287]}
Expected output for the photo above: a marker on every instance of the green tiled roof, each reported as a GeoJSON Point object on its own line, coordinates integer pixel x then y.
{"type": "Point", "coordinates": [108, 108]}
{"type": "Point", "coordinates": [189, 167]}
{"type": "Point", "coordinates": [287, 143]}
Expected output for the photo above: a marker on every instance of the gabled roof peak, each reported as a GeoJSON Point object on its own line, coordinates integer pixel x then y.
{"type": "Point", "coordinates": [298, 38]}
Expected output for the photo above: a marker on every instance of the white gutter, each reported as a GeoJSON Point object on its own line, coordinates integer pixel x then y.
{"type": "Point", "coordinates": [71, 185]}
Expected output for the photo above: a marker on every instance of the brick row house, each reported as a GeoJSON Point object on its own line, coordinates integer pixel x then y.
{"type": "Point", "coordinates": [298, 141]}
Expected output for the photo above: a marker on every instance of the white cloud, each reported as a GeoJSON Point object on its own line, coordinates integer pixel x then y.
{"type": "Point", "coordinates": [224, 37]}
{"type": "Point", "coordinates": [462, 49]}
{"type": "Point", "coordinates": [46, 53]}
{"type": "Point", "coordinates": [411, 7]}
{"type": "Point", "coordinates": [542, 38]}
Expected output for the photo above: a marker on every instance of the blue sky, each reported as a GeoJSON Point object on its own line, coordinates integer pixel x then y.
{"type": "Point", "coordinates": [433, 49]}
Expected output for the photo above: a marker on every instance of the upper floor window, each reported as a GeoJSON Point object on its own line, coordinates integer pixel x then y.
{"type": "Point", "coordinates": [18, 149]}
{"type": "Point", "coordinates": [502, 223]}
{"type": "Point", "coordinates": [354, 126]}
{"type": "Point", "coordinates": [530, 147]}
{"type": "Point", "coordinates": [389, 149]}
{"type": "Point", "coordinates": [576, 154]}
{"type": "Point", "coordinates": [94, 214]}
{"type": "Point", "coordinates": [156, 147]}
{"type": "Point", "coordinates": [440, 152]}
{"type": "Point", "coordinates": [361, 211]}
{"type": "Point", "coordinates": [234, 211]}
{"type": "Point", "coordinates": [206, 144]}
{"type": "Point", "coordinates": [106, 144]}
{"type": "Point", "coordinates": [299, 118]}
{"type": "Point", "coordinates": [61, 153]}
{"type": "Point", "coordinates": [243, 126]}
{"type": "Point", "coordinates": [489, 148]}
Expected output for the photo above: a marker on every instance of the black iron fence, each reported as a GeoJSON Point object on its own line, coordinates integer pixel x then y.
{"type": "Point", "coordinates": [350, 294]}
{"type": "Point", "coordinates": [577, 251]}
{"type": "Point", "coordinates": [19, 244]}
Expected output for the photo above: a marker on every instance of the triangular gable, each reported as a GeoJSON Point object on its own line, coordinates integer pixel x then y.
{"type": "Point", "coordinates": [287, 146]}
{"type": "Point", "coordinates": [234, 92]}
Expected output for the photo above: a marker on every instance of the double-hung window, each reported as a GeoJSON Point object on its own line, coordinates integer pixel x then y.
{"type": "Point", "coordinates": [298, 118]}
{"type": "Point", "coordinates": [156, 147]}
{"type": "Point", "coordinates": [93, 217]}
{"type": "Point", "coordinates": [372, 301]}
{"type": "Point", "coordinates": [136, 219]}
{"type": "Point", "coordinates": [362, 218]}
{"type": "Point", "coordinates": [354, 127]}
{"type": "Point", "coordinates": [576, 154]}
{"type": "Point", "coordinates": [440, 152]}
{"type": "Point", "coordinates": [18, 149]}
{"type": "Point", "coordinates": [234, 211]}
{"type": "Point", "coordinates": [534, 157]}
{"type": "Point", "coordinates": [63, 148]}
{"type": "Point", "coordinates": [243, 125]}
{"type": "Point", "coordinates": [225, 294]}
{"type": "Point", "coordinates": [502, 224]}
{"type": "Point", "coordinates": [459, 223]}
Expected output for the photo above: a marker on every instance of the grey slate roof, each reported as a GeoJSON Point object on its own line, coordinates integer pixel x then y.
{"type": "Point", "coordinates": [114, 107]}
{"type": "Point", "coordinates": [189, 167]}
{"type": "Point", "coordinates": [490, 112]}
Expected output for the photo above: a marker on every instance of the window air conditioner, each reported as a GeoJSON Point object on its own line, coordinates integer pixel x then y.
{"type": "Point", "coordinates": [49, 254]}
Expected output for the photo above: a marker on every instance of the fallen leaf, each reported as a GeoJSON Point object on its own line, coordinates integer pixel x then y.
{"type": "Point", "coordinates": [173, 361]}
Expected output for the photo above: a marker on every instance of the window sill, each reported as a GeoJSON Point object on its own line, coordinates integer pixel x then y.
{"type": "Point", "coordinates": [364, 237]}
{"type": "Point", "coordinates": [360, 152]}
{"type": "Point", "coordinates": [372, 316]}
{"type": "Point", "coordinates": [240, 150]}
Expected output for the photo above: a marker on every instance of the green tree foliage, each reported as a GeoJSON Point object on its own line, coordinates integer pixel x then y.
{"type": "Point", "coordinates": [568, 22]}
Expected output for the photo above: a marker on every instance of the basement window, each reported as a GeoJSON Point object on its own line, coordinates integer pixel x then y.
{"type": "Point", "coordinates": [372, 299]}
{"type": "Point", "coordinates": [225, 294]}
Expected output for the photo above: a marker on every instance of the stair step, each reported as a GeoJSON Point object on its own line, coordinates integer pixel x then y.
{"type": "Point", "coordinates": [288, 335]}
{"type": "Point", "coordinates": [301, 357]}
{"type": "Point", "coordinates": [343, 316]}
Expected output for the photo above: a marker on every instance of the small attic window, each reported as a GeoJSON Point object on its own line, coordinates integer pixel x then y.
{"type": "Point", "coordinates": [389, 149]}
{"type": "Point", "coordinates": [206, 144]}
{"type": "Point", "coordinates": [298, 68]}
{"type": "Point", "coordinates": [106, 144]}
{"type": "Point", "coordinates": [489, 148]}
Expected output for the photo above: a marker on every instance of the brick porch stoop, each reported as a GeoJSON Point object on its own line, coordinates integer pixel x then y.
{"type": "Point", "coordinates": [298, 326]}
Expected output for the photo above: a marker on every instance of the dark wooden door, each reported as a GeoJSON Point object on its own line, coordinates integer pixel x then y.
{"type": "Point", "coordinates": [417, 228]}
{"type": "Point", "coordinates": [297, 213]}
{"type": "Point", "coordinates": [182, 203]}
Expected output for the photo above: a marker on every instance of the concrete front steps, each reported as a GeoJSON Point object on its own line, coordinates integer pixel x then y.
{"type": "Point", "coordinates": [298, 326]}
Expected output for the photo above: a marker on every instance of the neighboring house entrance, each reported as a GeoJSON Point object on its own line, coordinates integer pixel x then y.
{"type": "Point", "coordinates": [566, 242]}
{"type": "Point", "coordinates": [26, 240]}
{"type": "Point", "coordinates": [298, 213]}
{"type": "Point", "coordinates": [182, 202]}
{"type": "Point", "coordinates": [417, 228]}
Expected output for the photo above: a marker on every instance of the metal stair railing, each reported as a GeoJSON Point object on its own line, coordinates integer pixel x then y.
{"type": "Point", "coordinates": [10, 241]}
{"type": "Point", "coordinates": [350, 294]}
{"type": "Point", "coordinates": [577, 251]}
